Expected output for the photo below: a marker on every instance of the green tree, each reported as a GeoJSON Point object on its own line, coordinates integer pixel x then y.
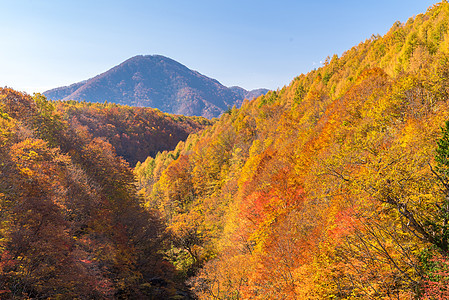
{"type": "Point", "coordinates": [440, 225]}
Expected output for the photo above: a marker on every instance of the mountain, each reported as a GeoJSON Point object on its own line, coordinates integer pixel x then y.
{"type": "Point", "coordinates": [158, 82]}
{"type": "Point", "coordinates": [244, 94]}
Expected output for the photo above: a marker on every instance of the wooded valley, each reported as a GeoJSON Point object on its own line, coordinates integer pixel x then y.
{"type": "Point", "coordinates": [333, 187]}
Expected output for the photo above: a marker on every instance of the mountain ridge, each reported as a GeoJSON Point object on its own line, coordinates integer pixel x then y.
{"type": "Point", "coordinates": [159, 82]}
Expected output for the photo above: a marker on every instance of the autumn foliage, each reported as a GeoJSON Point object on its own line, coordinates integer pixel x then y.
{"type": "Point", "coordinates": [72, 223]}
{"type": "Point", "coordinates": [134, 132]}
{"type": "Point", "coordinates": [334, 187]}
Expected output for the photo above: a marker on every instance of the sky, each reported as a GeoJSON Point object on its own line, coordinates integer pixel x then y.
{"type": "Point", "coordinates": [46, 44]}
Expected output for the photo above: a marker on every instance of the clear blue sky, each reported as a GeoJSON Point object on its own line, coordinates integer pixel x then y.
{"type": "Point", "coordinates": [50, 43]}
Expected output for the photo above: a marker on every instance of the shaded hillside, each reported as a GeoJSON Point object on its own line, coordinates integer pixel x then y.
{"type": "Point", "coordinates": [158, 82]}
{"type": "Point", "coordinates": [61, 93]}
{"type": "Point", "coordinates": [134, 132]}
{"type": "Point", "coordinates": [334, 187]}
{"type": "Point", "coordinates": [72, 224]}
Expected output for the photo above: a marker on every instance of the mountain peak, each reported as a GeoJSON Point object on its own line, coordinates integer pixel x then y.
{"type": "Point", "coordinates": [155, 58]}
{"type": "Point", "coordinates": [159, 82]}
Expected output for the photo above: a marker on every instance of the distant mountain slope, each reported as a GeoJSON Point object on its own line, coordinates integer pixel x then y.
{"type": "Point", "coordinates": [158, 82]}
{"type": "Point", "coordinates": [244, 94]}
{"type": "Point", "coordinates": [60, 93]}
{"type": "Point", "coordinates": [134, 132]}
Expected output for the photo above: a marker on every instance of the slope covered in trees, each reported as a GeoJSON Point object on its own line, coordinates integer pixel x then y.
{"type": "Point", "coordinates": [334, 187]}
{"type": "Point", "coordinates": [72, 223]}
{"type": "Point", "coordinates": [134, 132]}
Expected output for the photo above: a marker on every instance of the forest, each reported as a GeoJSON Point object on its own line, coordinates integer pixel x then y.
{"type": "Point", "coordinates": [72, 221]}
{"type": "Point", "coordinates": [134, 132]}
{"type": "Point", "coordinates": [333, 187]}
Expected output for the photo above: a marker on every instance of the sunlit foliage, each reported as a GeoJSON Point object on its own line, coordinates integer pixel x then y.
{"type": "Point", "coordinates": [334, 187]}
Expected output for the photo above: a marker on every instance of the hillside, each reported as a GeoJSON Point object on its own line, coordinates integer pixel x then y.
{"type": "Point", "coordinates": [334, 187]}
{"type": "Point", "coordinates": [72, 223]}
{"type": "Point", "coordinates": [134, 132]}
{"type": "Point", "coordinates": [158, 82]}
